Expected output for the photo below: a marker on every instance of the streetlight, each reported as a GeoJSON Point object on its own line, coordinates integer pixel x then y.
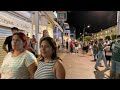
{"type": "Point", "coordinates": [84, 32]}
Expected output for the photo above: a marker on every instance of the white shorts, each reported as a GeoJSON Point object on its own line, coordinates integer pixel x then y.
{"type": "Point", "coordinates": [76, 48]}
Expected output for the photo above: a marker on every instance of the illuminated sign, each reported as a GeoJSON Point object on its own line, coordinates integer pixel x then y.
{"type": "Point", "coordinates": [62, 15]}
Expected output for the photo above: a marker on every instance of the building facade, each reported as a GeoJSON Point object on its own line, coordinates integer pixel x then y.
{"type": "Point", "coordinates": [9, 19]}
{"type": "Point", "coordinates": [106, 32]}
{"type": "Point", "coordinates": [26, 22]}
{"type": "Point", "coordinates": [66, 33]}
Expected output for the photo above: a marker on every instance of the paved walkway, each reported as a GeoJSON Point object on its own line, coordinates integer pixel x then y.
{"type": "Point", "coordinates": [78, 66]}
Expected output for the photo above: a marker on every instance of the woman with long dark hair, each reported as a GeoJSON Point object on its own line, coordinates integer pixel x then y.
{"type": "Point", "coordinates": [50, 66]}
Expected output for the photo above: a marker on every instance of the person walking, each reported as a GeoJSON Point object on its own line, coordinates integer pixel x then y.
{"type": "Point", "coordinates": [76, 46]}
{"type": "Point", "coordinates": [71, 45]}
{"type": "Point", "coordinates": [101, 55]}
{"type": "Point", "coordinates": [95, 50]}
{"type": "Point", "coordinates": [108, 53]}
{"type": "Point", "coordinates": [115, 60]}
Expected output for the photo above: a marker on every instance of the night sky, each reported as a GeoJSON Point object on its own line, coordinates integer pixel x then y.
{"type": "Point", "coordinates": [96, 19]}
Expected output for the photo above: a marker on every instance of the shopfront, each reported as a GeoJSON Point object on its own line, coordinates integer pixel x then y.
{"type": "Point", "coordinates": [6, 23]}
{"type": "Point", "coordinates": [57, 32]}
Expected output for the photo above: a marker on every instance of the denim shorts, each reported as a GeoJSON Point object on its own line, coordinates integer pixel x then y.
{"type": "Point", "coordinates": [115, 67]}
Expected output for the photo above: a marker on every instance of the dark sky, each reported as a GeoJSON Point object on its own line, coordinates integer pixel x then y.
{"type": "Point", "coordinates": [96, 19]}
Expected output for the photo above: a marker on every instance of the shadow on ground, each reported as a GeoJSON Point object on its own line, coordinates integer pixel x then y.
{"type": "Point", "coordinates": [92, 60]}
{"type": "Point", "coordinates": [81, 55]}
{"type": "Point", "coordinates": [101, 74]}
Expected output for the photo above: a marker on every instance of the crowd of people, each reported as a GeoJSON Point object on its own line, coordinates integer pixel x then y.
{"type": "Point", "coordinates": [106, 50]}
{"type": "Point", "coordinates": [21, 62]}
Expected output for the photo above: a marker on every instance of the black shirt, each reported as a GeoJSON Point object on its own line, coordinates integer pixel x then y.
{"type": "Point", "coordinates": [8, 41]}
{"type": "Point", "coordinates": [76, 44]}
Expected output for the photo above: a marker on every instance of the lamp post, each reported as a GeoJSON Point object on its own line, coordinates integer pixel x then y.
{"type": "Point", "coordinates": [84, 32]}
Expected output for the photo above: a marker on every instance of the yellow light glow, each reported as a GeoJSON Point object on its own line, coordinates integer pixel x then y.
{"type": "Point", "coordinates": [33, 27]}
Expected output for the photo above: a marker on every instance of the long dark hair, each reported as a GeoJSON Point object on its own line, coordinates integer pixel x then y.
{"type": "Point", "coordinates": [54, 48]}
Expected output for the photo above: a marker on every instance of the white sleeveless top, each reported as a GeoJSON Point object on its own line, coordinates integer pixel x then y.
{"type": "Point", "coordinates": [16, 67]}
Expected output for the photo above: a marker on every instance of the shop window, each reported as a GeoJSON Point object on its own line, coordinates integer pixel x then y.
{"type": "Point", "coordinates": [71, 35]}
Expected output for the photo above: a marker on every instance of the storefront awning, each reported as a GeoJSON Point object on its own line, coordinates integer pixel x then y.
{"type": "Point", "coordinates": [54, 22]}
{"type": "Point", "coordinates": [58, 26]}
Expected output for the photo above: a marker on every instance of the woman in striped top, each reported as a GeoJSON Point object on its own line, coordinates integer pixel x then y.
{"type": "Point", "coordinates": [50, 66]}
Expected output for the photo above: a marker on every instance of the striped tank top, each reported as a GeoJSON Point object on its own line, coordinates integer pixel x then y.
{"type": "Point", "coordinates": [45, 70]}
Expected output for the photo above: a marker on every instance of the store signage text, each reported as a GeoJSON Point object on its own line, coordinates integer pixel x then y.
{"type": "Point", "coordinates": [2, 20]}
{"type": "Point", "coordinates": [16, 23]}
